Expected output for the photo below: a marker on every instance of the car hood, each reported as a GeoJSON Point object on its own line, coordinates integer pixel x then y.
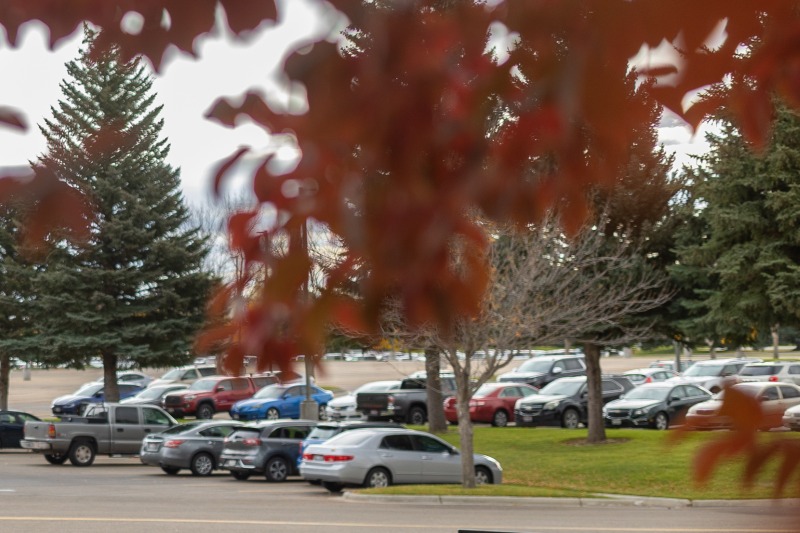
{"type": "Point", "coordinates": [691, 379]}
{"type": "Point", "coordinates": [708, 404]}
{"type": "Point", "coordinates": [631, 404]}
{"type": "Point", "coordinates": [70, 398]}
{"type": "Point", "coordinates": [253, 403]}
{"type": "Point", "coordinates": [518, 376]}
{"type": "Point", "coordinates": [341, 401]}
{"type": "Point", "coordinates": [542, 398]}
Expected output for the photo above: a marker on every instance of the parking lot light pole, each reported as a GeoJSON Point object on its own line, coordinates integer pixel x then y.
{"type": "Point", "coordinates": [309, 410]}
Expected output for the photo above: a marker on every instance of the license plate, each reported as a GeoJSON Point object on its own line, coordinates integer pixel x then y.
{"type": "Point", "coordinates": [319, 458]}
{"type": "Point", "coordinates": [151, 447]}
{"type": "Point", "coordinates": [527, 418]}
{"type": "Point", "coordinates": [616, 422]}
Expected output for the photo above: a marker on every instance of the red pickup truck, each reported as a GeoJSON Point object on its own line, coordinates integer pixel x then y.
{"type": "Point", "coordinates": [213, 394]}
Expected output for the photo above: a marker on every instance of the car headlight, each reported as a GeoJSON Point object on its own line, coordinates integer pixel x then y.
{"type": "Point", "coordinates": [605, 411]}
{"type": "Point", "coordinates": [190, 397]}
{"type": "Point", "coordinates": [637, 412]}
{"type": "Point", "coordinates": [549, 406]}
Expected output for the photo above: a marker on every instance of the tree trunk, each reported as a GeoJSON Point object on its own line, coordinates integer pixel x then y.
{"type": "Point", "coordinates": [775, 341]}
{"type": "Point", "coordinates": [110, 389]}
{"type": "Point", "coordinates": [465, 432]}
{"type": "Point", "coordinates": [677, 346]}
{"type": "Point", "coordinates": [712, 349]}
{"type": "Point", "coordinates": [5, 371]}
{"type": "Point", "coordinates": [594, 385]}
{"type": "Point", "coordinates": [433, 366]}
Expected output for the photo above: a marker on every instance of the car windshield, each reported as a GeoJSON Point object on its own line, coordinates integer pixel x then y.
{"type": "Point", "coordinates": [323, 432]}
{"type": "Point", "coordinates": [704, 370]}
{"type": "Point", "coordinates": [175, 373]}
{"type": "Point", "coordinates": [90, 389]}
{"type": "Point", "coordinates": [270, 392]}
{"type": "Point", "coordinates": [767, 370]}
{"type": "Point", "coordinates": [485, 390]}
{"type": "Point", "coordinates": [648, 393]}
{"type": "Point", "coordinates": [562, 387]}
{"type": "Point", "coordinates": [203, 385]}
{"type": "Point", "coordinates": [535, 365]}
{"type": "Point", "coordinates": [180, 428]}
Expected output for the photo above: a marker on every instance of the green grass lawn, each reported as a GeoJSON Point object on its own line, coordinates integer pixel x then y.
{"type": "Point", "coordinates": [555, 462]}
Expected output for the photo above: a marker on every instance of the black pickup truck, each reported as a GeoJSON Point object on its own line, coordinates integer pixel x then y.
{"type": "Point", "coordinates": [407, 404]}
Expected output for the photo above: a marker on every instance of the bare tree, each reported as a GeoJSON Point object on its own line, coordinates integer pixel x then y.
{"type": "Point", "coordinates": [545, 288]}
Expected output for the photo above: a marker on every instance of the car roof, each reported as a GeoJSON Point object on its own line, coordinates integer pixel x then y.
{"type": "Point", "coordinates": [760, 384]}
{"type": "Point", "coordinates": [350, 424]}
{"type": "Point", "coordinates": [280, 421]}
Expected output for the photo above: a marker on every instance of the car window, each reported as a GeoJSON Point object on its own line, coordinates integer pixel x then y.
{"type": "Point", "coordinates": [679, 393]}
{"type": "Point", "coordinates": [6, 419]}
{"type": "Point", "coordinates": [610, 386]}
{"type": "Point", "coordinates": [424, 443]}
{"type": "Point", "coordinates": [214, 431]}
{"type": "Point", "coordinates": [789, 392]}
{"type": "Point", "coordinates": [127, 415]}
{"type": "Point", "coordinates": [25, 416]}
{"type": "Point", "coordinates": [226, 384]}
{"type": "Point", "coordinates": [397, 442]}
{"type": "Point", "coordinates": [509, 392]}
{"type": "Point", "coordinates": [239, 384]}
{"type": "Point", "coordinates": [770, 393]}
{"type": "Point", "coordinates": [154, 417]}
{"type": "Point", "coordinates": [263, 381]}
{"type": "Point", "coordinates": [572, 364]}
{"type": "Point", "coordinates": [189, 374]}
{"type": "Point", "coordinates": [794, 369]}
{"type": "Point", "coordinates": [692, 392]}
{"type": "Point", "coordinates": [207, 371]}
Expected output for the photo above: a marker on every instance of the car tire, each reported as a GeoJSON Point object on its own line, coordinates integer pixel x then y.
{"type": "Point", "coordinates": [661, 421]}
{"type": "Point", "coordinates": [276, 469]}
{"type": "Point", "coordinates": [377, 478]}
{"type": "Point", "coordinates": [202, 464]}
{"type": "Point", "coordinates": [570, 419]}
{"type": "Point", "coordinates": [273, 414]}
{"type": "Point", "coordinates": [55, 458]}
{"type": "Point", "coordinates": [500, 419]}
{"type": "Point", "coordinates": [205, 411]}
{"type": "Point", "coordinates": [483, 476]}
{"type": "Point", "coordinates": [333, 486]}
{"type": "Point", "coordinates": [81, 453]}
{"type": "Point", "coordinates": [170, 470]}
{"type": "Point", "coordinates": [416, 416]}
{"type": "Point", "coordinates": [240, 476]}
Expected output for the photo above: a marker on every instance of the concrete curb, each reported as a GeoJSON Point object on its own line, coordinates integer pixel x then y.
{"type": "Point", "coordinates": [602, 500]}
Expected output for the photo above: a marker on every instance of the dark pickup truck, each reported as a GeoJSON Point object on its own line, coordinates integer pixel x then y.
{"type": "Point", "coordinates": [407, 404]}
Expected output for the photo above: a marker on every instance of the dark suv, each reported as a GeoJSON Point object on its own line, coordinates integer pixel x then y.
{"type": "Point", "coordinates": [564, 401]}
{"type": "Point", "coordinates": [541, 370]}
{"type": "Point", "coordinates": [270, 447]}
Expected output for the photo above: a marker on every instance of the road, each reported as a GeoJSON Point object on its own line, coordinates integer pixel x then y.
{"type": "Point", "coordinates": [122, 495]}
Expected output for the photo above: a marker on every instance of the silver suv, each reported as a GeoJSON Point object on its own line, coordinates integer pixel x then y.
{"type": "Point", "coordinates": [713, 374]}
{"type": "Point", "coordinates": [785, 371]}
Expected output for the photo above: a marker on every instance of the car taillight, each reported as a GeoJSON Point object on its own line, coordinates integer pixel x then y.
{"type": "Point", "coordinates": [252, 442]}
{"type": "Point", "coordinates": [174, 443]}
{"type": "Point", "coordinates": [337, 458]}
{"type": "Point", "coordinates": [51, 431]}
{"type": "Point", "coordinates": [308, 456]}
{"type": "Point", "coordinates": [648, 379]}
{"type": "Point", "coordinates": [449, 402]}
{"type": "Point", "coordinates": [773, 378]}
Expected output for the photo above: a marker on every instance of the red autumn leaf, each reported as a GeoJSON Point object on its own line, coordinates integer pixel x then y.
{"type": "Point", "coordinates": [13, 118]}
{"type": "Point", "coordinates": [224, 167]}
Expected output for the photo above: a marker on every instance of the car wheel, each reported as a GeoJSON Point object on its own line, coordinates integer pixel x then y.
{"type": "Point", "coordinates": [661, 422]}
{"type": "Point", "coordinates": [570, 419]}
{"type": "Point", "coordinates": [277, 469]}
{"type": "Point", "coordinates": [416, 416]}
{"type": "Point", "coordinates": [55, 459]}
{"type": "Point", "coordinates": [482, 476]}
{"type": "Point", "coordinates": [202, 464]}
{"type": "Point", "coordinates": [170, 470]}
{"type": "Point", "coordinates": [500, 419]}
{"type": "Point", "coordinates": [240, 476]}
{"type": "Point", "coordinates": [273, 414]}
{"type": "Point", "coordinates": [323, 415]}
{"type": "Point", "coordinates": [205, 411]}
{"type": "Point", "coordinates": [332, 486]}
{"type": "Point", "coordinates": [377, 478]}
{"type": "Point", "coordinates": [81, 453]}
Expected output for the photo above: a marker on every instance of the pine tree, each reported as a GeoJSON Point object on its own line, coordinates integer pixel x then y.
{"type": "Point", "coordinates": [136, 289]}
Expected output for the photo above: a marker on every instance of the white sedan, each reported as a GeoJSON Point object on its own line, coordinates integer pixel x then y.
{"type": "Point", "coordinates": [386, 456]}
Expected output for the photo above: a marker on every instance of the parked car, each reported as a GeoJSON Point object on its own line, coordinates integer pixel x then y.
{"type": "Point", "coordinates": [194, 445]}
{"type": "Point", "coordinates": [269, 447]}
{"type": "Point", "coordinates": [133, 377]}
{"type": "Point", "coordinates": [153, 395]}
{"type": "Point", "coordinates": [539, 371]}
{"type": "Point", "coordinates": [564, 402]}
{"type": "Point", "coordinates": [214, 394]}
{"type": "Point", "coordinates": [491, 403]}
{"type": "Point", "coordinates": [408, 403]}
{"type": "Point", "coordinates": [640, 376]}
{"type": "Point", "coordinates": [12, 424]}
{"type": "Point", "coordinates": [791, 418]}
{"type": "Point", "coordinates": [669, 364]}
{"type": "Point", "coordinates": [774, 399]}
{"type": "Point", "coordinates": [785, 371]}
{"type": "Point", "coordinates": [279, 401]}
{"type": "Point", "coordinates": [75, 403]}
{"type": "Point", "coordinates": [344, 407]}
{"type": "Point", "coordinates": [713, 374]}
{"type": "Point", "coordinates": [185, 374]}
{"type": "Point", "coordinates": [381, 457]}
{"type": "Point", "coordinates": [654, 405]}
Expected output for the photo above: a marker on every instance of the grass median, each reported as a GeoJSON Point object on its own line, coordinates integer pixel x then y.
{"type": "Point", "coordinates": [553, 462]}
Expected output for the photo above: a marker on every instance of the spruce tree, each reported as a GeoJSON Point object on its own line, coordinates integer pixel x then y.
{"type": "Point", "coordinates": [136, 290]}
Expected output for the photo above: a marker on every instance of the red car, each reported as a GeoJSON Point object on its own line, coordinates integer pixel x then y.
{"type": "Point", "coordinates": [492, 402]}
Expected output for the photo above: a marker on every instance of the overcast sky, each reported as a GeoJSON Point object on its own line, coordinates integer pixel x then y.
{"type": "Point", "coordinates": [187, 87]}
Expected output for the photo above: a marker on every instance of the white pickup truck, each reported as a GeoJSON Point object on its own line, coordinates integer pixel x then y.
{"type": "Point", "coordinates": [107, 429]}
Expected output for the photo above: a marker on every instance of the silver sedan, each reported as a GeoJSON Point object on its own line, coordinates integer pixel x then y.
{"type": "Point", "coordinates": [195, 445]}
{"type": "Point", "coordinates": [381, 457]}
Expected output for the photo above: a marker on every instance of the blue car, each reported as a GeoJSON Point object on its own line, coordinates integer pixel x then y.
{"type": "Point", "coordinates": [279, 401]}
{"type": "Point", "coordinates": [73, 404]}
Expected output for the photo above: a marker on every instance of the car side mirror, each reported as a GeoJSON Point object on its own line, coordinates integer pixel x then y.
{"type": "Point", "coordinates": [220, 389]}
{"type": "Point", "coordinates": [557, 370]}
{"type": "Point", "coordinates": [674, 399]}
{"type": "Point", "coordinates": [453, 451]}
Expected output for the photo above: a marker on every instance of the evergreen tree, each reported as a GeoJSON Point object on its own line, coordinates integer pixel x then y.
{"type": "Point", "coordinates": [136, 289]}
{"type": "Point", "coordinates": [750, 250]}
